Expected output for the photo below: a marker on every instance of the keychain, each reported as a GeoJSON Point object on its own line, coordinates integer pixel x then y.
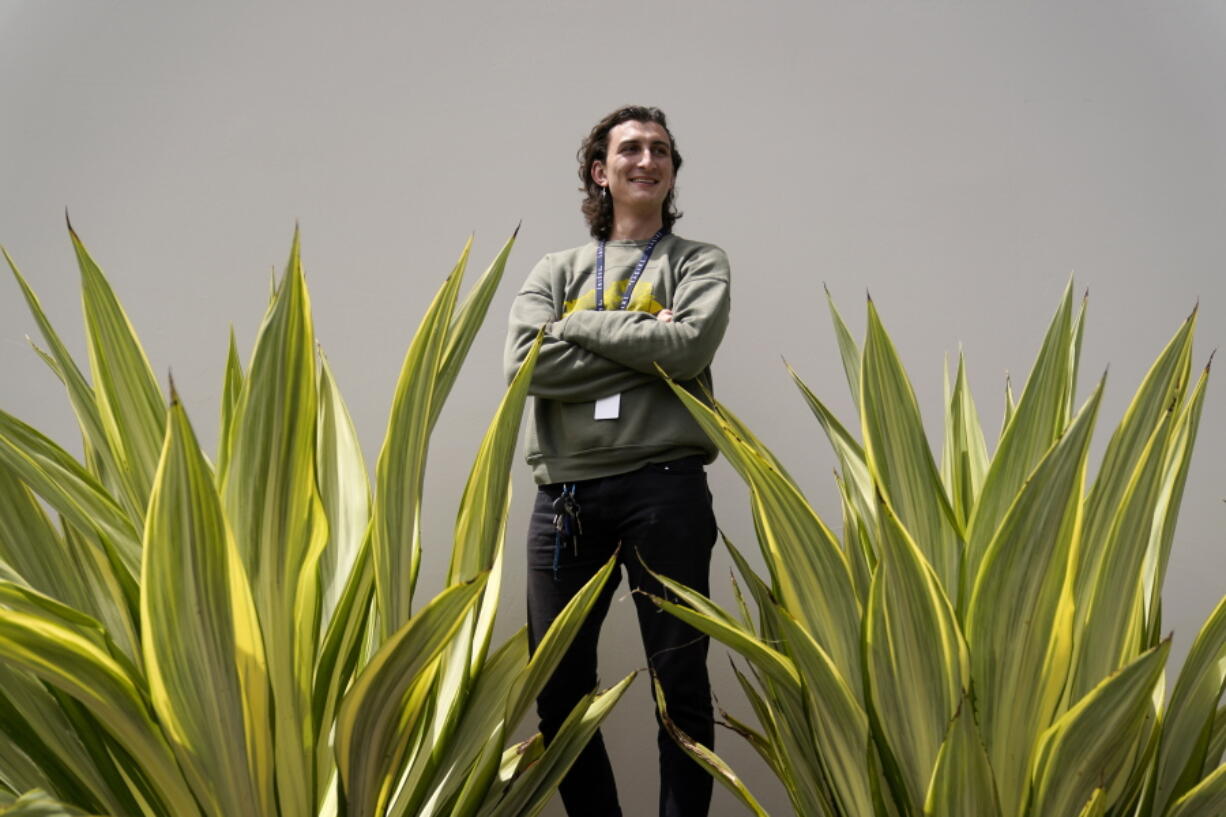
{"type": "Point", "coordinates": [566, 524]}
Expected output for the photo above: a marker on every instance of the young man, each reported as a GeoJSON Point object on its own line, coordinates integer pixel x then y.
{"type": "Point", "coordinates": [618, 458]}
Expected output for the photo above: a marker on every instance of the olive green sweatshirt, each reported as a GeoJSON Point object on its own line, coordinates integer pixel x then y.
{"type": "Point", "coordinates": [589, 354]}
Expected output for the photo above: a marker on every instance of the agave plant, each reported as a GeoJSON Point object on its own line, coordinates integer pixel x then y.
{"type": "Point", "coordinates": [986, 636]}
{"type": "Point", "coordinates": [183, 638]}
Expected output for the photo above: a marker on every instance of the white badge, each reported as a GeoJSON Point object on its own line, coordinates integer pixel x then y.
{"type": "Point", "coordinates": [607, 407]}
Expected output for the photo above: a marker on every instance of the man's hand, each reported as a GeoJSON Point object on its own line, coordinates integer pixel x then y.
{"type": "Point", "coordinates": [665, 316]}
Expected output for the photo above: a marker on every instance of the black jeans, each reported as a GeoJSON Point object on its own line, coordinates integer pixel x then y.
{"type": "Point", "coordinates": [662, 515]}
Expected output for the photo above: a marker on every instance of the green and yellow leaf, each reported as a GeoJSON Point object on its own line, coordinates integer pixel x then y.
{"type": "Point", "coordinates": [130, 403]}
{"type": "Point", "coordinates": [962, 780]}
{"type": "Point", "coordinates": [1112, 619]}
{"type": "Point", "coordinates": [1207, 799]}
{"type": "Point", "coordinates": [899, 459]}
{"type": "Point", "coordinates": [1019, 622]}
{"type": "Point", "coordinates": [400, 470]}
{"type": "Point", "coordinates": [1166, 512]}
{"type": "Point", "coordinates": [849, 351]}
{"type": "Point", "coordinates": [837, 719]}
{"type": "Point", "coordinates": [810, 572]}
{"type": "Point", "coordinates": [203, 650]}
{"type": "Point", "coordinates": [369, 726]}
{"type": "Point", "coordinates": [73, 661]}
{"type": "Point", "coordinates": [1187, 728]}
{"type": "Point", "coordinates": [530, 791]}
{"type": "Point", "coordinates": [271, 502]}
{"type": "Point", "coordinates": [1090, 745]}
{"type": "Point", "coordinates": [1029, 432]}
{"type": "Point", "coordinates": [918, 667]}
{"type": "Point", "coordinates": [1160, 391]}
{"type": "Point", "coordinates": [80, 393]}
{"type": "Point", "coordinates": [964, 461]}
{"type": "Point", "coordinates": [344, 491]}
{"type": "Point", "coordinates": [705, 757]}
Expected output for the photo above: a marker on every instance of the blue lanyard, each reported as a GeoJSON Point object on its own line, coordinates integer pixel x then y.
{"type": "Point", "coordinates": [634, 276]}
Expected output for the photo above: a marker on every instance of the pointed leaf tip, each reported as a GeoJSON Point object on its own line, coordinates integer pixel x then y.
{"type": "Point", "coordinates": [515, 234]}
{"type": "Point", "coordinates": [174, 393]}
{"type": "Point", "coordinates": [68, 221]}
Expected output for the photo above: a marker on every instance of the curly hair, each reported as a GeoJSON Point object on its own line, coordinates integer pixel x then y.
{"type": "Point", "coordinates": [597, 207]}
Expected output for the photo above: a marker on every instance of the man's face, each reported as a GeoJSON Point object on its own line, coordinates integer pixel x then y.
{"type": "Point", "coordinates": [638, 169]}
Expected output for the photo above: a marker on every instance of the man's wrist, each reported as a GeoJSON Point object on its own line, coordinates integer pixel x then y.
{"type": "Point", "coordinates": [555, 328]}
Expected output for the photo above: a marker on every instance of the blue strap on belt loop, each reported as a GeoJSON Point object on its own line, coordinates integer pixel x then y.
{"type": "Point", "coordinates": [565, 524]}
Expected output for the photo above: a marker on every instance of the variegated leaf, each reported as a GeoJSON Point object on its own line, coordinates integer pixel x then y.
{"type": "Point", "coordinates": [962, 781]}
{"type": "Point", "coordinates": [1207, 799]}
{"type": "Point", "coordinates": [344, 491]}
{"type": "Point", "coordinates": [811, 575]}
{"type": "Point", "coordinates": [1019, 622]}
{"type": "Point", "coordinates": [1090, 745]}
{"type": "Point", "coordinates": [705, 757]}
{"type": "Point", "coordinates": [964, 461]}
{"type": "Point", "coordinates": [271, 502]}
{"type": "Point", "coordinates": [203, 650]}
{"type": "Point", "coordinates": [369, 725]}
{"type": "Point", "coordinates": [1161, 389]}
{"type": "Point", "coordinates": [400, 470]}
{"type": "Point", "coordinates": [918, 667]}
{"type": "Point", "coordinates": [900, 460]}
{"type": "Point", "coordinates": [528, 793]}
{"type": "Point", "coordinates": [1030, 430]}
{"type": "Point", "coordinates": [1187, 728]}
{"type": "Point", "coordinates": [130, 403]}
{"type": "Point", "coordinates": [72, 660]}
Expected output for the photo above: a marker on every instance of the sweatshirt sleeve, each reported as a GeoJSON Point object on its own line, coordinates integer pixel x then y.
{"type": "Point", "coordinates": [564, 371]}
{"type": "Point", "coordinates": [685, 346]}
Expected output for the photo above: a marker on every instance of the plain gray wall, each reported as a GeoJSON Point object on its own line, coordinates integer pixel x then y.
{"type": "Point", "coordinates": [958, 159]}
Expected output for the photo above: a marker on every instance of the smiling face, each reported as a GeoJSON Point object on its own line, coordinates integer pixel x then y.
{"type": "Point", "coordinates": [638, 168]}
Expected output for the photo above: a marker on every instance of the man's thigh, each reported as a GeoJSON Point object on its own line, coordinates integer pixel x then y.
{"type": "Point", "coordinates": [558, 567]}
{"type": "Point", "coordinates": [669, 526]}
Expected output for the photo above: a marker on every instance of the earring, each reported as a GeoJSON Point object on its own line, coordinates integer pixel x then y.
{"type": "Point", "coordinates": [604, 192]}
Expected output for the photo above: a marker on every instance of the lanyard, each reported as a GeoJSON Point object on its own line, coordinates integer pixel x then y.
{"type": "Point", "coordinates": [634, 276]}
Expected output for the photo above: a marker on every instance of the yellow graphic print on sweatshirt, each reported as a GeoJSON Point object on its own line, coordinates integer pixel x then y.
{"type": "Point", "coordinates": [640, 301]}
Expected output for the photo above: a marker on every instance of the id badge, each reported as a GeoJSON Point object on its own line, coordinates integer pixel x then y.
{"type": "Point", "coordinates": [607, 407]}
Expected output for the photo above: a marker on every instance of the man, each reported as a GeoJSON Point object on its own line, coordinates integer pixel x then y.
{"type": "Point", "coordinates": [618, 458]}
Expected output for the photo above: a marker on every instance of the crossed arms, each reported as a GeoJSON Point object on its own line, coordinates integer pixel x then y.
{"type": "Point", "coordinates": [588, 354]}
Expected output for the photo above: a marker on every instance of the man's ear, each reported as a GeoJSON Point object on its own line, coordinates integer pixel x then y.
{"type": "Point", "coordinates": [598, 173]}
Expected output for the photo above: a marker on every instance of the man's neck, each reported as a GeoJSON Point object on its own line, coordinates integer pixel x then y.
{"type": "Point", "coordinates": [635, 226]}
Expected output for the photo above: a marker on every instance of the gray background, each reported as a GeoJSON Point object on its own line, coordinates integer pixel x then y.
{"type": "Point", "coordinates": [958, 159]}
